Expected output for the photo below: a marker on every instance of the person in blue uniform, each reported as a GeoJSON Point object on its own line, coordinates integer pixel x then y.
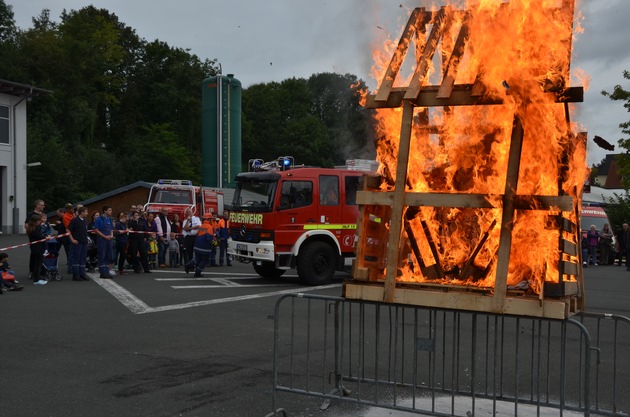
{"type": "Point", "coordinates": [104, 228]}
{"type": "Point", "coordinates": [79, 240]}
{"type": "Point", "coordinates": [223, 233]}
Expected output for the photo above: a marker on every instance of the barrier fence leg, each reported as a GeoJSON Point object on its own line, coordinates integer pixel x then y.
{"type": "Point", "coordinates": [339, 389]}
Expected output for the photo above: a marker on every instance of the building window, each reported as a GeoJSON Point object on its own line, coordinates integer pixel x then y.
{"type": "Point", "coordinates": [4, 124]}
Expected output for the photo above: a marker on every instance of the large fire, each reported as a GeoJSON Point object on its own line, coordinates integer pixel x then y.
{"type": "Point", "coordinates": [518, 52]}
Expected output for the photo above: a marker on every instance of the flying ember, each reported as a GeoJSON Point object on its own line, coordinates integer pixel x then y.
{"type": "Point", "coordinates": [481, 170]}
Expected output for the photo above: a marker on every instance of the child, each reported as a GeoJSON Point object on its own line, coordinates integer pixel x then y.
{"type": "Point", "coordinates": [7, 277]}
{"type": "Point", "coordinates": [152, 250]}
{"type": "Point", "coordinates": [173, 251]}
{"type": "Point", "coordinates": [45, 227]}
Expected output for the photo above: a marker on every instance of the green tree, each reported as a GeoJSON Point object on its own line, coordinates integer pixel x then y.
{"type": "Point", "coordinates": [336, 102]}
{"type": "Point", "coordinates": [117, 98]}
{"type": "Point", "coordinates": [618, 210]}
{"type": "Point", "coordinates": [161, 154]}
{"type": "Point", "coordinates": [56, 180]}
{"type": "Point", "coordinates": [8, 34]}
{"type": "Point", "coordinates": [318, 121]}
{"type": "Point", "coordinates": [125, 109]}
{"type": "Point", "coordinates": [7, 22]}
{"type": "Point", "coordinates": [93, 53]}
{"type": "Point", "coordinates": [619, 94]}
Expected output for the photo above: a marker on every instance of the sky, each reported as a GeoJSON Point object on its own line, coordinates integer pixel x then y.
{"type": "Point", "coordinates": [272, 40]}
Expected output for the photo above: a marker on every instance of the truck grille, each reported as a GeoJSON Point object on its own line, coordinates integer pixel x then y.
{"type": "Point", "coordinates": [250, 236]}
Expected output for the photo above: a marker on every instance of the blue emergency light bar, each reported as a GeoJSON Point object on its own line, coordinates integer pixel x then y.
{"type": "Point", "coordinates": [175, 182]}
{"type": "Point", "coordinates": [285, 162]}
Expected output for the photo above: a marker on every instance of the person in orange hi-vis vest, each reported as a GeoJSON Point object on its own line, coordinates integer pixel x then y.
{"type": "Point", "coordinates": [204, 245]}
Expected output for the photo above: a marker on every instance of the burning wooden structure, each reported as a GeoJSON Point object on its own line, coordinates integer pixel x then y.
{"type": "Point", "coordinates": [476, 206]}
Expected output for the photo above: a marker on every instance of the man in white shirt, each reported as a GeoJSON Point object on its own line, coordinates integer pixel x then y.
{"type": "Point", "coordinates": [190, 225]}
{"type": "Point", "coordinates": [163, 235]}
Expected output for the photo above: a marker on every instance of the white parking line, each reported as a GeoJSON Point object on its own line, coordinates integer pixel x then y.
{"type": "Point", "coordinates": [133, 303]}
{"type": "Point", "coordinates": [205, 278]}
{"type": "Point", "coordinates": [238, 298]}
{"type": "Point", "coordinates": [137, 306]}
{"type": "Point", "coordinates": [222, 276]}
{"type": "Point", "coordinates": [186, 287]}
{"type": "Point", "coordinates": [205, 272]}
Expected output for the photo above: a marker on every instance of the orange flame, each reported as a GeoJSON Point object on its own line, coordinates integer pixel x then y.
{"type": "Point", "coordinates": [518, 51]}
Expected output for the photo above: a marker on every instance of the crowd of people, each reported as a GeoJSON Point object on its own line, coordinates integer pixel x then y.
{"type": "Point", "coordinates": [139, 240]}
{"type": "Point", "coordinates": [600, 248]}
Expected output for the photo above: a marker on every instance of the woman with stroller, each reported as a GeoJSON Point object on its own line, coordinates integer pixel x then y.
{"type": "Point", "coordinates": [37, 249]}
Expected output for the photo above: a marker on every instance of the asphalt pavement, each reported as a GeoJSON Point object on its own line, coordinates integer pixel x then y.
{"type": "Point", "coordinates": [163, 344]}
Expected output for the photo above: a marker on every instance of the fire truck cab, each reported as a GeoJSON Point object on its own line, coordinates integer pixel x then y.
{"type": "Point", "coordinates": [294, 217]}
{"type": "Point", "coordinates": [178, 195]}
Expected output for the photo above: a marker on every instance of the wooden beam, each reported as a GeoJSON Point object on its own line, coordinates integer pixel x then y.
{"type": "Point", "coordinates": [461, 96]}
{"type": "Point", "coordinates": [569, 268]}
{"type": "Point", "coordinates": [568, 9]}
{"type": "Point", "coordinates": [460, 300]}
{"type": "Point", "coordinates": [399, 55]}
{"type": "Point", "coordinates": [543, 202]}
{"type": "Point", "coordinates": [569, 248]}
{"type": "Point", "coordinates": [507, 216]}
{"type": "Point", "coordinates": [464, 272]}
{"type": "Point", "coordinates": [386, 198]}
{"type": "Point", "coordinates": [450, 72]}
{"type": "Point", "coordinates": [399, 198]}
{"type": "Point", "coordinates": [422, 69]}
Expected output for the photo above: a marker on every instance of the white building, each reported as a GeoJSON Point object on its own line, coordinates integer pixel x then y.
{"type": "Point", "coordinates": [13, 205]}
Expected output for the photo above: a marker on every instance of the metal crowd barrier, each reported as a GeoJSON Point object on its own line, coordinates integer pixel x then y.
{"type": "Point", "coordinates": [449, 363]}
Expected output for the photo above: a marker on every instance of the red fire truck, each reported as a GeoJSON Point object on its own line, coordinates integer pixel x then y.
{"type": "Point", "coordinates": [294, 217]}
{"type": "Point", "coordinates": [178, 195]}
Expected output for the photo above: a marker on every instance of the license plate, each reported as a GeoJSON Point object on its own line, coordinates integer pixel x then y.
{"type": "Point", "coordinates": [241, 247]}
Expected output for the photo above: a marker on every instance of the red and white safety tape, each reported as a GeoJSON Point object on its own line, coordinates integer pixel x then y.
{"type": "Point", "coordinates": [66, 234]}
{"type": "Point", "coordinates": [34, 242]}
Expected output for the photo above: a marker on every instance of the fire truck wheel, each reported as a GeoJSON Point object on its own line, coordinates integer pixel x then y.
{"type": "Point", "coordinates": [268, 270]}
{"type": "Point", "coordinates": [316, 263]}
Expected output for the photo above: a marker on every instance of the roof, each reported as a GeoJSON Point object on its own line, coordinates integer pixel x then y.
{"type": "Point", "coordinates": [17, 89]}
{"type": "Point", "coordinates": [117, 191]}
{"type": "Point", "coordinates": [613, 179]}
{"type": "Point", "coordinates": [605, 167]}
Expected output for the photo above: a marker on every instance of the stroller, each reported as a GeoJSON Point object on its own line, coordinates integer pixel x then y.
{"type": "Point", "coordinates": [92, 253]}
{"type": "Point", "coordinates": [51, 260]}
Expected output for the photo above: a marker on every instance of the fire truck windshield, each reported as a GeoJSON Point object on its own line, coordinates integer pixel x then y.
{"type": "Point", "coordinates": [254, 194]}
{"type": "Point", "coordinates": [171, 197]}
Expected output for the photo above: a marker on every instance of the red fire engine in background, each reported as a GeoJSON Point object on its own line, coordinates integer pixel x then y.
{"type": "Point", "coordinates": [178, 195]}
{"type": "Point", "coordinates": [286, 217]}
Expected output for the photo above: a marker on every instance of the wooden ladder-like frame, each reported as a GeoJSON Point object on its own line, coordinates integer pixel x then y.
{"type": "Point", "coordinates": [448, 94]}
